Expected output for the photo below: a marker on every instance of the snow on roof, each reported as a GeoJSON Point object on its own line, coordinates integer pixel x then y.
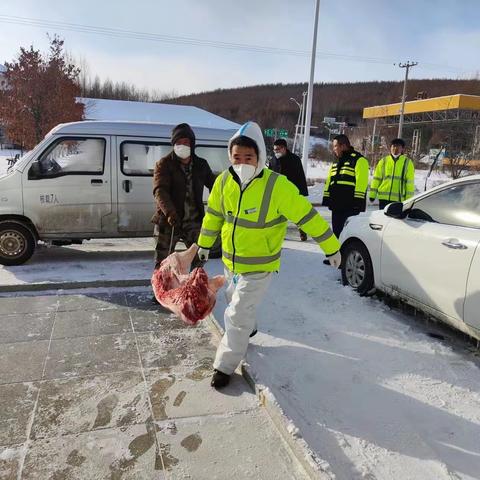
{"type": "Point", "coordinates": [100, 109]}
{"type": "Point", "coordinates": [141, 129]}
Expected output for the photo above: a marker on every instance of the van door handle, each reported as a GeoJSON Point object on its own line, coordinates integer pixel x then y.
{"type": "Point", "coordinates": [454, 243]}
{"type": "Point", "coordinates": [96, 181]}
{"type": "Point", "coordinates": [126, 184]}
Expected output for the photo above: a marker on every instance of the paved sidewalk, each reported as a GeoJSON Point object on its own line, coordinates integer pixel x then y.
{"type": "Point", "coordinates": [106, 386]}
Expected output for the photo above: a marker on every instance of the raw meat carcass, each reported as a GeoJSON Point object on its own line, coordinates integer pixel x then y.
{"type": "Point", "coordinates": [192, 295]}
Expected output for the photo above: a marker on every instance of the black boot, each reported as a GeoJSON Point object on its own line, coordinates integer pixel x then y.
{"type": "Point", "coordinates": [219, 379]}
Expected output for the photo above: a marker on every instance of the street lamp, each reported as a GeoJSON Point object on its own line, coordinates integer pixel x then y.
{"type": "Point", "coordinates": [308, 116]}
{"type": "Point", "coordinates": [300, 106]}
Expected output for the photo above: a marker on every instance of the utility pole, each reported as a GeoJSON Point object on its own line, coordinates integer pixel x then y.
{"type": "Point", "coordinates": [406, 66]}
{"type": "Point", "coordinates": [308, 114]}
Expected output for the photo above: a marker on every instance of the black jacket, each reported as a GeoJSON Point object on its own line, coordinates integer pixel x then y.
{"type": "Point", "coordinates": [290, 165]}
{"type": "Point", "coordinates": [169, 186]}
{"type": "Point", "coordinates": [347, 182]}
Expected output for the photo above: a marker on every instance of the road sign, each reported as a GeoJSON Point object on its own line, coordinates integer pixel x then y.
{"type": "Point", "coordinates": [276, 132]}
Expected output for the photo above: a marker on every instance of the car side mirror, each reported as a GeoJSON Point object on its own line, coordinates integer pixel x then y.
{"type": "Point", "coordinates": [394, 210]}
{"type": "Point", "coordinates": [35, 171]}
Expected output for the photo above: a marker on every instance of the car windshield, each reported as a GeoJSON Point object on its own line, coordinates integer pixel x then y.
{"type": "Point", "coordinates": [20, 165]}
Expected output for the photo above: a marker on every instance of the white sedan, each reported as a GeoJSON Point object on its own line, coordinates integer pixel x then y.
{"type": "Point", "coordinates": [425, 251]}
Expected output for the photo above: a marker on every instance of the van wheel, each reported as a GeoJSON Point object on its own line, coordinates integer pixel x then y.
{"type": "Point", "coordinates": [17, 243]}
{"type": "Point", "coordinates": [357, 269]}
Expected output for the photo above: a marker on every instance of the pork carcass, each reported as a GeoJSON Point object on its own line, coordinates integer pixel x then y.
{"type": "Point", "coordinates": [190, 295]}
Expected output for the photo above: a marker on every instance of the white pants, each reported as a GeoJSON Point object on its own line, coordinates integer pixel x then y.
{"type": "Point", "coordinates": [244, 292]}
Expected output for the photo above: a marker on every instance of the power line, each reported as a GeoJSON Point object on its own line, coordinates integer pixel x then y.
{"type": "Point", "coordinates": [180, 40]}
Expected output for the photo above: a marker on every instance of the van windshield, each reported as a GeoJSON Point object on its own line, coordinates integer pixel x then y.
{"type": "Point", "coordinates": [20, 165]}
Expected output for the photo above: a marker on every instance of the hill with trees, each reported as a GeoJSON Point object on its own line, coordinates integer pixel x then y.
{"type": "Point", "coordinates": [271, 107]}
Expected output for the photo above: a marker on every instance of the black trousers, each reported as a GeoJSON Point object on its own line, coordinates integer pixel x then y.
{"type": "Point", "coordinates": [383, 203]}
{"type": "Point", "coordinates": [339, 218]}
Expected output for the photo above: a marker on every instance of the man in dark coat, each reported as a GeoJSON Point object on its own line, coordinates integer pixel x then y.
{"type": "Point", "coordinates": [290, 165]}
{"type": "Point", "coordinates": [178, 182]}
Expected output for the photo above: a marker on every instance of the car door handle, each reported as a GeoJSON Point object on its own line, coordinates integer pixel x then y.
{"type": "Point", "coordinates": [126, 184]}
{"type": "Point", "coordinates": [96, 181]}
{"type": "Point", "coordinates": [454, 243]}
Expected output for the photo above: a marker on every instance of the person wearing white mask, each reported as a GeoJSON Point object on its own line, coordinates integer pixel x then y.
{"type": "Point", "coordinates": [394, 177]}
{"type": "Point", "coordinates": [178, 182]}
{"type": "Point", "coordinates": [290, 165]}
{"type": "Point", "coordinates": [249, 207]}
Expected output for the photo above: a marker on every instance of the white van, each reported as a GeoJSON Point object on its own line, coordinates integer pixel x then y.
{"type": "Point", "coordinates": [90, 179]}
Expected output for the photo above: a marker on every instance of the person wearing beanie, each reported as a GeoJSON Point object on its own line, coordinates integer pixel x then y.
{"type": "Point", "coordinates": [178, 182]}
{"type": "Point", "coordinates": [394, 177]}
{"type": "Point", "coordinates": [249, 207]}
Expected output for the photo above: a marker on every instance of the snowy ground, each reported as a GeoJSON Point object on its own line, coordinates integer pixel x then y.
{"type": "Point", "coordinates": [370, 391]}
{"type": "Point", "coordinates": [93, 261]}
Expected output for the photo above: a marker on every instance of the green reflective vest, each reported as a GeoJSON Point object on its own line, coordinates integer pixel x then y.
{"type": "Point", "coordinates": [253, 222]}
{"type": "Point", "coordinates": [393, 180]}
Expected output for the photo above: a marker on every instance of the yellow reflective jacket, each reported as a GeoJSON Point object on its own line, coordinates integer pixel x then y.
{"type": "Point", "coordinates": [253, 222]}
{"type": "Point", "coordinates": [346, 183]}
{"type": "Point", "coordinates": [393, 180]}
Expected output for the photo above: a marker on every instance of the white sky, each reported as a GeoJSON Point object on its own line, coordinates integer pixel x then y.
{"type": "Point", "coordinates": [443, 35]}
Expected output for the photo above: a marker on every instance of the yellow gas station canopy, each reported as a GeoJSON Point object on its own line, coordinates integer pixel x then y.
{"type": "Point", "coordinates": [449, 102]}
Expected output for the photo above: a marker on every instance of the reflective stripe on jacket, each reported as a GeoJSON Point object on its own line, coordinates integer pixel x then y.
{"type": "Point", "coordinates": [347, 182]}
{"type": "Point", "coordinates": [253, 222]}
{"type": "Point", "coordinates": [393, 180]}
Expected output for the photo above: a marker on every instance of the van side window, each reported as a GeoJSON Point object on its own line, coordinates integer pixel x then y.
{"type": "Point", "coordinates": [217, 157]}
{"type": "Point", "coordinates": [139, 158]}
{"type": "Point", "coordinates": [73, 156]}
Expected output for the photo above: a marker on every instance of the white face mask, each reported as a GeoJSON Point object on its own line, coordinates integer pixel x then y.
{"type": "Point", "coordinates": [182, 151]}
{"type": "Point", "coordinates": [278, 154]}
{"type": "Point", "coordinates": [245, 172]}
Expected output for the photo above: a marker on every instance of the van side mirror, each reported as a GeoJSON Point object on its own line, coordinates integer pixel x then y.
{"type": "Point", "coordinates": [394, 210]}
{"type": "Point", "coordinates": [35, 171]}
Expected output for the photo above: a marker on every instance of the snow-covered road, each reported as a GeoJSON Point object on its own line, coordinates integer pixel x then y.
{"type": "Point", "coordinates": [370, 391]}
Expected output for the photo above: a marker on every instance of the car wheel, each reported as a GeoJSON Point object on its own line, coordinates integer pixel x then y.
{"type": "Point", "coordinates": [17, 243]}
{"type": "Point", "coordinates": [357, 270]}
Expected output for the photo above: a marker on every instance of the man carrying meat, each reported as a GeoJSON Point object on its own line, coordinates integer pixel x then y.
{"type": "Point", "coordinates": [249, 206]}
{"type": "Point", "coordinates": [178, 183]}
